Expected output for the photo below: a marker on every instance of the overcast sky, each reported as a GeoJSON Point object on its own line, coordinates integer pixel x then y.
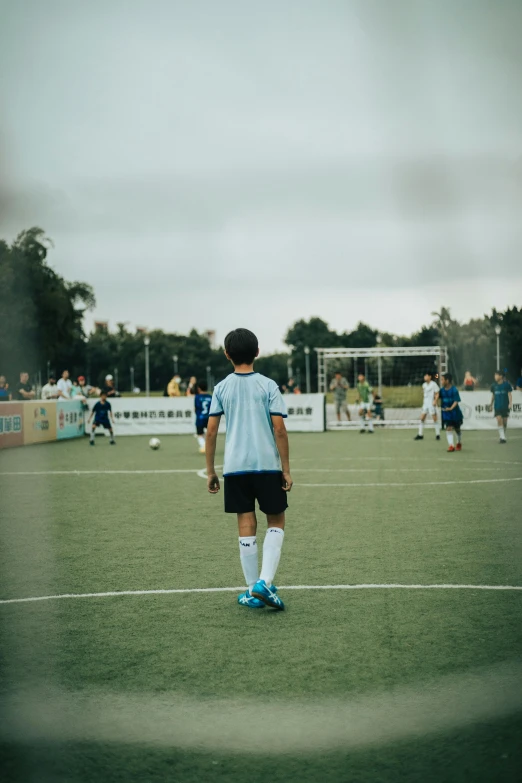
{"type": "Point", "coordinates": [218, 164]}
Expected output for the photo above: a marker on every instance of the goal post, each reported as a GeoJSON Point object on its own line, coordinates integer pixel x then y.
{"type": "Point", "coordinates": [396, 373]}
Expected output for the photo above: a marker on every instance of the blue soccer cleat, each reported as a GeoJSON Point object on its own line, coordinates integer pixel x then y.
{"type": "Point", "coordinates": [247, 599]}
{"type": "Point", "coordinates": [267, 594]}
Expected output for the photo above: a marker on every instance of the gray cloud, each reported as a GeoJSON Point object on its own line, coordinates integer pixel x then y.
{"type": "Point", "coordinates": [324, 148]}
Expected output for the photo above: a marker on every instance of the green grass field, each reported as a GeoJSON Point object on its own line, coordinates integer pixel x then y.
{"type": "Point", "coordinates": [347, 685]}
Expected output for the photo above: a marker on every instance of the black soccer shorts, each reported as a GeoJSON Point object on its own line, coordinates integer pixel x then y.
{"type": "Point", "coordinates": [242, 491]}
{"type": "Point", "coordinates": [504, 412]}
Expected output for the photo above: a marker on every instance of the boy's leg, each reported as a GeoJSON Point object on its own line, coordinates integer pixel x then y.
{"type": "Point", "coordinates": [247, 526]}
{"type": "Point", "coordinates": [272, 546]}
{"type": "Point", "coordinates": [370, 421]}
{"type": "Point", "coordinates": [437, 425]}
{"type": "Point", "coordinates": [501, 429]}
{"type": "Point", "coordinates": [459, 437]}
{"type": "Point", "coordinates": [111, 433]}
{"type": "Point", "coordinates": [93, 430]}
{"type": "Point", "coordinates": [421, 424]}
{"type": "Point", "coordinates": [449, 436]}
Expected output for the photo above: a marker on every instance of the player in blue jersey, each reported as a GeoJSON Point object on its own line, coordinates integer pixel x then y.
{"type": "Point", "coordinates": [202, 402]}
{"type": "Point", "coordinates": [103, 417]}
{"type": "Point", "coordinates": [452, 417]}
{"type": "Point", "coordinates": [501, 401]}
{"type": "Point", "coordinates": [256, 466]}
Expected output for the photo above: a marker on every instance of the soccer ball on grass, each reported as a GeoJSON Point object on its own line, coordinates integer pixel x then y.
{"type": "Point", "coordinates": [154, 443]}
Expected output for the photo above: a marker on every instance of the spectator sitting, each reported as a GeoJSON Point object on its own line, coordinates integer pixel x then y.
{"type": "Point", "coordinates": [50, 389]}
{"type": "Point", "coordinates": [469, 381]}
{"type": "Point", "coordinates": [297, 390]}
{"type": "Point", "coordinates": [284, 390]}
{"type": "Point", "coordinates": [64, 386]}
{"type": "Point", "coordinates": [109, 389]}
{"type": "Point", "coordinates": [519, 382]}
{"type": "Point", "coordinates": [5, 394]}
{"type": "Point", "coordinates": [290, 385]}
{"type": "Point", "coordinates": [192, 387]}
{"type": "Point", "coordinates": [173, 387]}
{"type": "Point", "coordinates": [378, 409]}
{"type": "Point", "coordinates": [24, 390]}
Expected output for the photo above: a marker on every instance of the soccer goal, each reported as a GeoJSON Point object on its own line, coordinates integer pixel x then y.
{"type": "Point", "coordinates": [395, 373]}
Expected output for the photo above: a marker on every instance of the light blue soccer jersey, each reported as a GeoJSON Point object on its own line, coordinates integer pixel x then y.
{"type": "Point", "coordinates": [247, 402]}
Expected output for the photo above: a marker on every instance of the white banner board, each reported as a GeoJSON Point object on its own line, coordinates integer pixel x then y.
{"type": "Point", "coordinates": [478, 414]}
{"type": "Point", "coordinates": [175, 415]}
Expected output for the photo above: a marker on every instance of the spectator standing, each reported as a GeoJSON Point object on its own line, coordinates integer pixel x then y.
{"type": "Point", "coordinates": [5, 394]}
{"type": "Point", "coordinates": [339, 386]}
{"type": "Point", "coordinates": [50, 390]}
{"type": "Point", "coordinates": [83, 386]}
{"type": "Point", "coordinates": [64, 386]}
{"type": "Point", "coordinates": [519, 381]}
{"type": "Point", "coordinates": [173, 389]}
{"type": "Point", "coordinates": [469, 381]}
{"type": "Point", "coordinates": [24, 390]}
{"type": "Point", "coordinates": [108, 388]}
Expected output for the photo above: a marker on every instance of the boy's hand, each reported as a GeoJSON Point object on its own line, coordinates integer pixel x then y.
{"type": "Point", "coordinates": [288, 481]}
{"type": "Point", "coordinates": [213, 483]}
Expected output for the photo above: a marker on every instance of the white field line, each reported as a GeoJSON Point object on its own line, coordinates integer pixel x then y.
{"type": "Point", "coordinates": [414, 483]}
{"type": "Point", "coordinates": [187, 590]}
{"type": "Point", "coordinates": [304, 727]}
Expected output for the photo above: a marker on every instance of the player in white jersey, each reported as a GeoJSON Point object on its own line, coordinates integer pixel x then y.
{"type": "Point", "coordinates": [430, 392]}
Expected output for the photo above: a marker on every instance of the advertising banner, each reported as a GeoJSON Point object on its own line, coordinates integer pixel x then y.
{"type": "Point", "coordinates": [478, 413]}
{"type": "Point", "coordinates": [175, 415]}
{"type": "Point", "coordinates": [39, 421]}
{"type": "Point", "coordinates": [11, 424]}
{"type": "Point", "coordinates": [69, 419]}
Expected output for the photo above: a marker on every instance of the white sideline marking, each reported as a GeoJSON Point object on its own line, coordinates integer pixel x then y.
{"type": "Point", "coordinates": [173, 591]}
{"type": "Point", "coordinates": [414, 483]}
{"type": "Point", "coordinates": [304, 726]}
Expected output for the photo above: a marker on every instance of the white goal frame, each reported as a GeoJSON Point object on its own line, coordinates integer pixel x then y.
{"type": "Point", "coordinates": [324, 354]}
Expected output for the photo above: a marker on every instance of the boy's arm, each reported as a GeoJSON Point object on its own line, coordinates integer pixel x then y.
{"type": "Point", "coordinates": [281, 439]}
{"type": "Point", "coordinates": [210, 450]}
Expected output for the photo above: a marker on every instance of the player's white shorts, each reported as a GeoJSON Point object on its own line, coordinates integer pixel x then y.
{"type": "Point", "coordinates": [430, 410]}
{"type": "Point", "coordinates": [365, 406]}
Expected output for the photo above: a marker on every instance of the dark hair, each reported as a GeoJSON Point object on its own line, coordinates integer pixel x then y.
{"type": "Point", "coordinates": [448, 376]}
{"type": "Point", "coordinates": [429, 372]}
{"type": "Point", "coordinates": [501, 373]}
{"type": "Point", "coordinates": [242, 346]}
{"type": "Point", "coordinates": [103, 392]}
{"type": "Point", "coordinates": [202, 385]}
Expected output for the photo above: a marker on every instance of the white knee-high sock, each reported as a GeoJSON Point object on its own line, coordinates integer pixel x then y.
{"type": "Point", "coordinates": [201, 441]}
{"type": "Point", "coordinates": [271, 553]}
{"type": "Point", "coordinates": [421, 427]}
{"type": "Point", "coordinates": [370, 425]}
{"type": "Point", "coordinates": [449, 436]}
{"type": "Point", "coordinates": [248, 557]}
{"type": "Point", "coordinates": [502, 433]}
{"type": "Point", "coordinates": [437, 427]}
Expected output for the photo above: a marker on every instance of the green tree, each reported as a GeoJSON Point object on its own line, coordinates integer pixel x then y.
{"type": "Point", "coordinates": [42, 313]}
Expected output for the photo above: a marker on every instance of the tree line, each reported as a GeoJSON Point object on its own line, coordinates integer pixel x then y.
{"type": "Point", "coordinates": [43, 316]}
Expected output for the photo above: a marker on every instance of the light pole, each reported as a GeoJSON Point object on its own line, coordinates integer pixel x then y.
{"type": "Point", "coordinates": [132, 378]}
{"type": "Point", "coordinates": [307, 362]}
{"type": "Point", "coordinates": [146, 343]}
{"type": "Point", "coordinates": [379, 366]}
{"type": "Point", "coordinates": [175, 360]}
{"type": "Point", "coordinates": [497, 332]}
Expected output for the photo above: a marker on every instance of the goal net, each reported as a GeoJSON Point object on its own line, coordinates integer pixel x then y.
{"type": "Point", "coordinates": [395, 376]}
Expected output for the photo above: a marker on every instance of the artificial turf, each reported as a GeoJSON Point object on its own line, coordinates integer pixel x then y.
{"type": "Point", "coordinates": [399, 519]}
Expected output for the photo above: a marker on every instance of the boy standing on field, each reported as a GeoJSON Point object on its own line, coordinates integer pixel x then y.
{"type": "Point", "coordinates": [257, 463]}
{"type": "Point", "coordinates": [501, 401]}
